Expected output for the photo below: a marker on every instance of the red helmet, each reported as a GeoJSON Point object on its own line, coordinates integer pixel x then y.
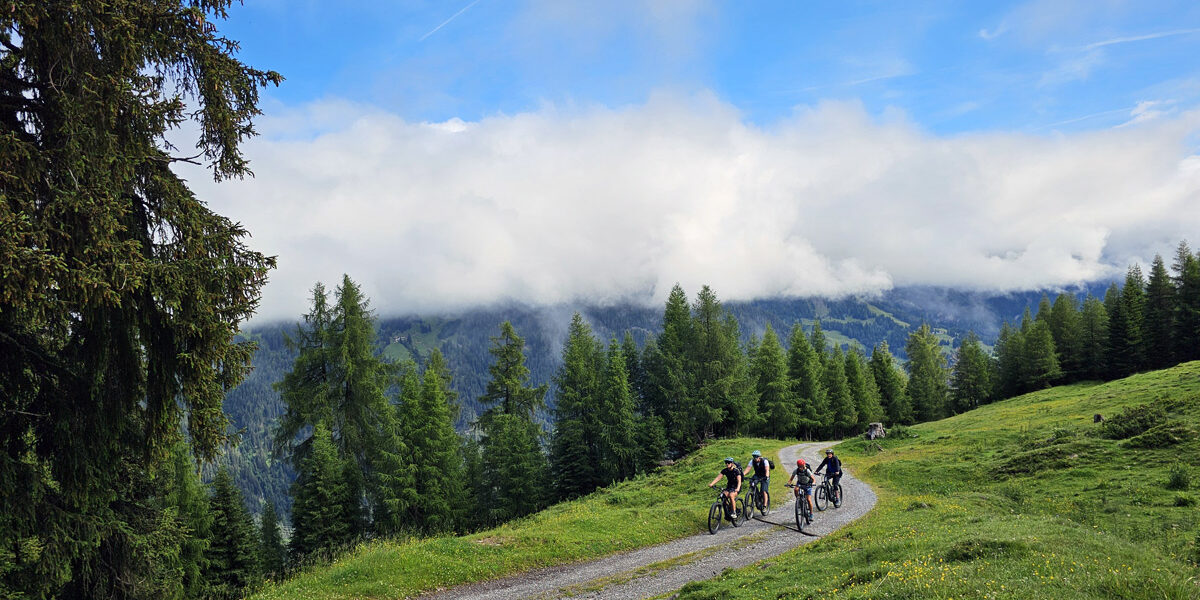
{"type": "Point", "coordinates": [800, 462]}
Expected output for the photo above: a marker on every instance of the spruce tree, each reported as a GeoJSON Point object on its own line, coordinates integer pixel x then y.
{"type": "Point", "coordinates": [806, 374]}
{"type": "Point", "coordinates": [274, 555]}
{"type": "Point", "coordinates": [843, 416]}
{"type": "Point", "coordinates": [819, 343]}
{"type": "Point", "coordinates": [122, 291]}
{"type": "Point", "coordinates": [637, 375]}
{"type": "Point", "coordinates": [1125, 326]}
{"type": "Point", "coordinates": [617, 429]}
{"type": "Point", "coordinates": [892, 386]}
{"type": "Point", "coordinates": [863, 389]}
{"type": "Point", "coordinates": [776, 397]}
{"type": "Point", "coordinates": [320, 495]}
{"type": "Point", "coordinates": [971, 382]}
{"type": "Point", "coordinates": [233, 549]}
{"type": "Point", "coordinates": [574, 448]}
{"type": "Point", "coordinates": [721, 377]}
{"type": "Point", "coordinates": [1187, 311]}
{"type": "Point", "coordinates": [436, 465]}
{"type": "Point", "coordinates": [1010, 361]}
{"type": "Point", "coordinates": [507, 391]}
{"type": "Point", "coordinates": [1041, 360]}
{"type": "Point", "coordinates": [1159, 319]}
{"type": "Point", "coordinates": [1093, 338]}
{"type": "Point", "coordinates": [190, 500]}
{"type": "Point", "coordinates": [927, 385]}
{"type": "Point", "coordinates": [1065, 328]}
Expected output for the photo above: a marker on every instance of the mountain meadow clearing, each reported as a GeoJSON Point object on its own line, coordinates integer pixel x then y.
{"type": "Point", "coordinates": [1024, 498]}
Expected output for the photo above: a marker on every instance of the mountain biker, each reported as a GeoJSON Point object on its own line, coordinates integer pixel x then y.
{"type": "Point", "coordinates": [804, 479]}
{"type": "Point", "coordinates": [733, 473]}
{"type": "Point", "coordinates": [762, 472]}
{"type": "Point", "coordinates": [834, 471]}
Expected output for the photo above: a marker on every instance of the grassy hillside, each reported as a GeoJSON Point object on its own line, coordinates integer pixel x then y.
{"type": "Point", "coordinates": [651, 509]}
{"type": "Point", "coordinates": [1026, 498]}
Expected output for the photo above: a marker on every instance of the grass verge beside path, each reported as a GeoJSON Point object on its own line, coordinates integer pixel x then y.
{"type": "Point", "coordinates": [1025, 498]}
{"type": "Point", "coordinates": [651, 509]}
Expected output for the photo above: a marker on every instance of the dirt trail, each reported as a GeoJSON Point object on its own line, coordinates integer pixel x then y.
{"type": "Point", "coordinates": [667, 567]}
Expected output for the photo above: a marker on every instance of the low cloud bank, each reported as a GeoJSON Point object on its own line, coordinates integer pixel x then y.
{"type": "Point", "coordinates": [613, 205]}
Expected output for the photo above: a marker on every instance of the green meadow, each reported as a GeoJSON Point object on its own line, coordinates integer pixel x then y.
{"type": "Point", "coordinates": [1025, 498]}
{"type": "Point", "coordinates": [667, 504]}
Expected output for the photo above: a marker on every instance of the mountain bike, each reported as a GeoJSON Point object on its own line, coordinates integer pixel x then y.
{"type": "Point", "coordinates": [803, 510]}
{"type": "Point", "coordinates": [760, 497]}
{"type": "Point", "coordinates": [720, 508]}
{"type": "Point", "coordinates": [826, 493]}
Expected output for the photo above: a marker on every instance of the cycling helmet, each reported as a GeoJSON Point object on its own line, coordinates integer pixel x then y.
{"type": "Point", "coordinates": [756, 454]}
{"type": "Point", "coordinates": [800, 462]}
{"type": "Point", "coordinates": [728, 459]}
{"type": "Point", "coordinates": [829, 451]}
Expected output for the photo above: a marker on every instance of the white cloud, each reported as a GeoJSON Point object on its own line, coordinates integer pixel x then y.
{"type": "Point", "coordinates": [619, 204]}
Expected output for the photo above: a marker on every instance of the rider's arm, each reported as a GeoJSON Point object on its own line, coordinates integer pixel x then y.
{"type": "Point", "coordinates": [749, 465]}
{"type": "Point", "coordinates": [714, 481]}
{"type": "Point", "coordinates": [739, 486]}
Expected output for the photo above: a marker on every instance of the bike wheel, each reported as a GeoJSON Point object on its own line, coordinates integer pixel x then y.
{"type": "Point", "coordinates": [838, 498]}
{"type": "Point", "coordinates": [806, 510]}
{"type": "Point", "coordinates": [715, 514]}
{"type": "Point", "coordinates": [739, 507]}
{"type": "Point", "coordinates": [820, 498]}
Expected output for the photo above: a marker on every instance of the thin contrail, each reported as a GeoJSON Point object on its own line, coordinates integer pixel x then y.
{"type": "Point", "coordinates": [1138, 38]}
{"type": "Point", "coordinates": [447, 21]}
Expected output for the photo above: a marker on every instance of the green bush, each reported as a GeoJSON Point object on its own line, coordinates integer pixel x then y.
{"type": "Point", "coordinates": [1160, 436]}
{"type": "Point", "coordinates": [1179, 477]}
{"type": "Point", "coordinates": [1133, 421]}
{"type": "Point", "coordinates": [1184, 500]}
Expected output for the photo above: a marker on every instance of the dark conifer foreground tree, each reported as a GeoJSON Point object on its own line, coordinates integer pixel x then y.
{"type": "Point", "coordinates": [233, 550]}
{"type": "Point", "coordinates": [843, 415]}
{"type": "Point", "coordinates": [1065, 326]}
{"type": "Point", "coordinates": [1039, 357]}
{"type": "Point", "coordinates": [318, 511]}
{"type": "Point", "coordinates": [1159, 320]}
{"type": "Point", "coordinates": [190, 499]}
{"type": "Point", "coordinates": [616, 425]}
{"type": "Point", "coordinates": [122, 292]}
{"type": "Point", "coordinates": [863, 390]}
{"type": "Point", "coordinates": [1187, 312]}
{"type": "Point", "coordinates": [274, 555]}
{"type": "Point", "coordinates": [574, 448]}
{"type": "Point", "coordinates": [1093, 338]}
{"type": "Point", "coordinates": [1126, 341]}
{"type": "Point", "coordinates": [806, 374]}
{"type": "Point", "coordinates": [721, 377]}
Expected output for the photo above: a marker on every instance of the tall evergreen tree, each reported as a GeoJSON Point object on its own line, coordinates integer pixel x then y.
{"type": "Point", "coordinates": [863, 390]}
{"type": "Point", "coordinates": [433, 453]}
{"type": "Point", "coordinates": [437, 363]}
{"type": "Point", "coordinates": [1010, 361]}
{"type": "Point", "coordinates": [617, 430]}
{"type": "Point", "coordinates": [721, 377]}
{"type": "Point", "coordinates": [122, 292]}
{"type": "Point", "coordinates": [806, 374]}
{"type": "Point", "coordinates": [233, 549]}
{"type": "Point", "coordinates": [1093, 338]}
{"type": "Point", "coordinates": [1159, 319]}
{"type": "Point", "coordinates": [574, 451]}
{"type": "Point", "coordinates": [837, 390]}
{"type": "Point", "coordinates": [1064, 327]}
{"type": "Point", "coordinates": [892, 386]}
{"type": "Point", "coordinates": [637, 375]}
{"type": "Point", "coordinates": [512, 455]}
{"type": "Point", "coordinates": [1041, 368]}
{"type": "Point", "coordinates": [819, 343]}
{"type": "Point", "coordinates": [1044, 309]}
{"type": "Point", "coordinates": [776, 397]}
{"type": "Point", "coordinates": [320, 495]}
{"type": "Point", "coordinates": [1125, 327]}
{"type": "Point", "coordinates": [1187, 311]}
{"type": "Point", "coordinates": [190, 500]}
{"type": "Point", "coordinates": [274, 555]}
{"type": "Point", "coordinates": [927, 385]}
{"type": "Point", "coordinates": [971, 382]}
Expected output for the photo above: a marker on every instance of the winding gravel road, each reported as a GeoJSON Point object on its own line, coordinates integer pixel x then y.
{"type": "Point", "coordinates": [643, 573]}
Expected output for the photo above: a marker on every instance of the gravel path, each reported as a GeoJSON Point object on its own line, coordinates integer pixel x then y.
{"type": "Point", "coordinates": [642, 573]}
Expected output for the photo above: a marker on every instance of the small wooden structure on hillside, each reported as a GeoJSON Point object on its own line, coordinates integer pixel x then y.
{"type": "Point", "coordinates": [875, 430]}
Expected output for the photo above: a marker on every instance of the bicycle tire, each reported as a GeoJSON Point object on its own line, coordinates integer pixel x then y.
{"type": "Point", "coordinates": [715, 514]}
{"type": "Point", "coordinates": [739, 506]}
{"type": "Point", "coordinates": [838, 498]}
{"type": "Point", "coordinates": [821, 498]}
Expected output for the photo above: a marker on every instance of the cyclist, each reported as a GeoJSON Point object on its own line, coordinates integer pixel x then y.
{"type": "Point", "coordinates": [733, 473]}
{"type": "Point", "coordinates": [803, 476]}
{"type": "Point", "coordinates": [762, 472]}
{"type": "Point", "coordinates": [833, 468]}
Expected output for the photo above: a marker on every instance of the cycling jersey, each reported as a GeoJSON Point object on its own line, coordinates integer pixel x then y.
{"type": "Point", "coordinates": [733, 474]}
{"type": "Point", "coordinates": [835, 465]}
{"type": "Point", "coordinates": [760, 466]}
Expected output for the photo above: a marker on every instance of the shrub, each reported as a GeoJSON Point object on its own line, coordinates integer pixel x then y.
{"type": "Point", "coordinates": [1184, 500]}
{"type": "Point", "coordinates": [1133, 421]}
{"type": "Point", "coordinates": [1179, 477]}
{"type": "Point", "coordinates": [1160, 436]}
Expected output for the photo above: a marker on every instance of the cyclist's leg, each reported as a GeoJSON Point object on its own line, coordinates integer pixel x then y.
{"type": "Point", "coordinates": [837, 489]}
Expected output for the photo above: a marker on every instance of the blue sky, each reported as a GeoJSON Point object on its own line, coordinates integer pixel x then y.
{"type": "Point", "coordinates": [950, 66]}
{"type": "Point", "coordinates": [453, 154]}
